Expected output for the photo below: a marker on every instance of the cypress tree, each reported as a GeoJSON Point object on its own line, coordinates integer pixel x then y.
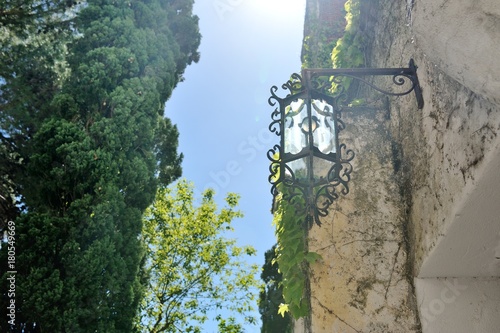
{"type": "Point", "coordinates": [92, 145]}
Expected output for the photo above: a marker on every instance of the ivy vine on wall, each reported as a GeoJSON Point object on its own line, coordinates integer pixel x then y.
{"type": "Point", "coordinates": [293, 258]}
{"type": "Point", "coordinates": [292, 253]}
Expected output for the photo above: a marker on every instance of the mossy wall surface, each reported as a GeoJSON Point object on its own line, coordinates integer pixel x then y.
{"type": "Point", "coordinates": [412, 170]}
{"type": "Point", "coordinates": [362, 283]}
{"type": "Point", "coordinates": [442, 147]}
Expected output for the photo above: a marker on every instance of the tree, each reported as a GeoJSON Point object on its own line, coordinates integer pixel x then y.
{"type": "Point", "coordinates": [272, 296]}
{"type": "Point", "coordinates": [192, 267]}
{"type": "Point", "coordinates": [22, 18]}
{"type": "Point", "coordinates": [87, 145]}
{"type": "Point", "coordinates": [31, 70]}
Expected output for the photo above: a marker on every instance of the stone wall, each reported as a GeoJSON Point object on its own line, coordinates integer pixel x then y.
{"type": "Point", "coordinates": [362, 285]}
{"type": "Point", "coordinates": [450, 155]}
{"type": "Point", "coordinates": [463, 39]}
{"type": "Point", "coordinates": [443, 148]}
{"type": "Point", "coordinates": [424, 204]}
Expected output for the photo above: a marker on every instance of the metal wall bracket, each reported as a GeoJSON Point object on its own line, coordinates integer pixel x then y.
{"type": "Point", "coordinates": [310, 167]}
{"type": "Point", "coordinates": [399, 77]}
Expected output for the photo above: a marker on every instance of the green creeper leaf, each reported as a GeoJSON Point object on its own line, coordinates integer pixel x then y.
{"type": "Point", "coordinates": [312, 257]}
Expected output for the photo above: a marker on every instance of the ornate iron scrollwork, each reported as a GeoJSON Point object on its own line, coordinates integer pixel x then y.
{"type": "Point", "coordinates": [310, 167]}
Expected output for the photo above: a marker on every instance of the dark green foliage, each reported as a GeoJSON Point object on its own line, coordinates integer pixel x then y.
{"type": "Point", "coordinates": [272, 296]}
{"type": "Point", "coordinates": [30, 74]}
{"type": "Point", "coordinates": [324, 25]}
{"type": "Point", "coordinates": [316, 49]}
{"type": "Point", "coordinates": [349, 50]}
{"type": "Point", "coordinates": [26, 17]}
{"type": "Point", "coordinates": [8, 163]}
{"type": "Point", "coordinates": [84, 145]}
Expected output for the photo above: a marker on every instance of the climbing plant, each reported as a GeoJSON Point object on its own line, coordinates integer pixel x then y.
{"type": "Point", "coordinates": [349, 50]}
{"type": "Point", "coordinates": [293, 257]}
{"type": "Point", "coordinates": [292, 253]}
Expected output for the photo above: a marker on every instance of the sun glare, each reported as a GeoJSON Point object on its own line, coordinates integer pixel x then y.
{"type": "Point", "coordinates": [279, 8]}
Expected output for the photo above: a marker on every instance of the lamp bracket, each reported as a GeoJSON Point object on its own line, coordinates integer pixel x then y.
{"type": "Point", "coordinates": [399, 78]}
{"type": "Point", "coordinates": [312, 195]}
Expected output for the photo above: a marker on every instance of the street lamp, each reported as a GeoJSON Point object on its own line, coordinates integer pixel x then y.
{"type": "Point", "coordinates": [309, 167]}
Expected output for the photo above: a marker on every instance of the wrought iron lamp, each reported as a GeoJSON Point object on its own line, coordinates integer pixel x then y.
{"type": "Point", "coordinates": [310, 167]}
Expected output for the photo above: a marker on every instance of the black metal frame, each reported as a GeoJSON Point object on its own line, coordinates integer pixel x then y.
{"type": "Point", "coordinates": [313, 196]}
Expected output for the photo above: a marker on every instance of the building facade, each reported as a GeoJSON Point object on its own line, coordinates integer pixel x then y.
{"type": "Point", "coordinates": [415, 245]}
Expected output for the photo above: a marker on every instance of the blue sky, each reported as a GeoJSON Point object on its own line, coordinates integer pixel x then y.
{"type": "Point", "coordinates": [221, 108]}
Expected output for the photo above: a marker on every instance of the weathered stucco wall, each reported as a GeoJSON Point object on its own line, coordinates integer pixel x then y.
{"type": "Point", "coordinates": [425, 187]}
{"type": "Point", "coordinates": [463, 39]}
{"type": "Point", "coordinates": [450, 155]}
{"type": "Point", "coordinates": [444, 148]}
{"type": "Point", "coordinates": [459, 305]}
{"type": "Point", "coordinates": [362, 285]}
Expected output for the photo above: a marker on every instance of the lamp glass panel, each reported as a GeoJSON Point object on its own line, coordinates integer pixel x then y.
{"type": "Point", "coordinates": [297, 169]}
{"type": "Point", "coordinates": [295, 139]}
{"type": "Point", "coordinates": [324, 134]}
{"type": "Point", "coordinates": [321, 168]}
